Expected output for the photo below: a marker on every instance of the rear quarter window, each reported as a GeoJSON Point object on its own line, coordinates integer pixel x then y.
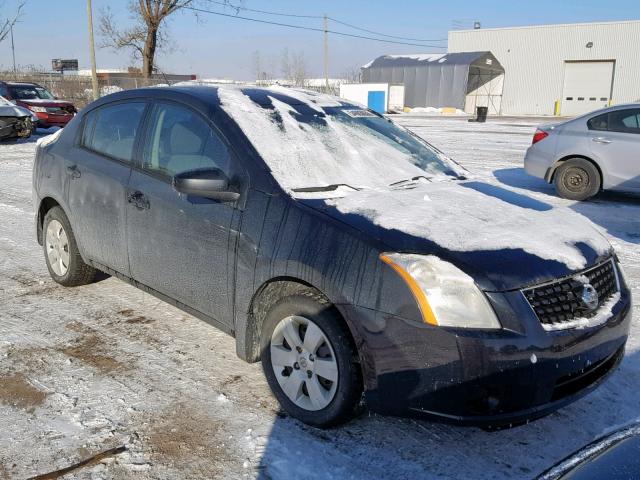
{"type": "Point", "coordinates": [601, 122]}
{"type": "Point", "coordinates": [111, 130]}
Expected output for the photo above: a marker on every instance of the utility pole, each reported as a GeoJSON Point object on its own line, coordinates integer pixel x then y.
{"type": "Point", "coordinates": [13, 49]}
{"type": "Point", "coordinates": [92, 53]}
{"type": "Point", "coordinates": [326, 54]}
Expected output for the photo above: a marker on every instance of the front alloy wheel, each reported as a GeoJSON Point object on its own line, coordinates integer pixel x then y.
{"type": "Point", "coordinates": [304, 363]}
{"type": "Point", "coordinates": [310, 360]}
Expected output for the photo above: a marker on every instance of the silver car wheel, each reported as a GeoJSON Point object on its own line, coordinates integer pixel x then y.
{"type": "Point", "coordinates": [304, 363]}
{"type": "Point", "coordinates": [57, 245]}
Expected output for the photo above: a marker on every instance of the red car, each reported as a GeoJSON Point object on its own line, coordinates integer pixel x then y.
{"type": "Point", "coordinates": [50, 111]}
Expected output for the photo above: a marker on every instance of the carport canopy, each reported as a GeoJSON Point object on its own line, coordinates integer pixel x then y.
{"type": "Point", "coordinates": [440, 79]}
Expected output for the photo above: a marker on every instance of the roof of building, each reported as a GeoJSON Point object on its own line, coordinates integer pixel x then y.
{"type": "Point", "coordinates": [424, 59]}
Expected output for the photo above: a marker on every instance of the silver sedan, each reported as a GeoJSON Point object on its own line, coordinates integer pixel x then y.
{"type": "Point", "coordinates": [588, 154]}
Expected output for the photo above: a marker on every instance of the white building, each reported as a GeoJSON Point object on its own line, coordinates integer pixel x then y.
{"type": "Point", "coordinates": [561, 69]}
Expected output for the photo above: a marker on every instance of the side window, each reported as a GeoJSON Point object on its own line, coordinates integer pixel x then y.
{"type": "Point", "coordinates": [181, 140]}
{"type": "Point", "coordinates": [625, 121]}
{"type": "Point", "coordinates": [601, 122]}
{"type": "Point", "coordinates": [4, 91]}
{"type": "Point", "coordinates": [111, 130]}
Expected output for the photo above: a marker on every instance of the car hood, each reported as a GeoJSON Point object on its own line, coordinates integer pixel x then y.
{"type": "Point", "coordinates": [40, 102]}
{"type": "Point", "coordinates": [7, 110]}
{"type": "Point", "coordinates": [503, 239]}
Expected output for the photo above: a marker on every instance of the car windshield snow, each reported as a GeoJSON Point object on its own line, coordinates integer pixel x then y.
{"type": "Point", "coordinates": [312, 148]}
{"type": "Point", "coordinates": [24, 92]}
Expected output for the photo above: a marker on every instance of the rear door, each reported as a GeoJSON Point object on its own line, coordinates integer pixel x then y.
{"type": "Point", "coordinates": [98, 171]}
{"type": "Point", "coordinates": [179, 245]}
{"type": "Point", "coordinates": [615, 143]}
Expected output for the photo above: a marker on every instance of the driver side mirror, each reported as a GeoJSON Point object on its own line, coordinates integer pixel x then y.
{"type": "Point", "coordinates": [207, 183]}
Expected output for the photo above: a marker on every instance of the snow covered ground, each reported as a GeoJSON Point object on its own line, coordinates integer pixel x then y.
{"type": "Point", "coordinates": [89, 369]}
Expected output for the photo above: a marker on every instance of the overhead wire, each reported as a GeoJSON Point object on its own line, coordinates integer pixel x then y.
{"type": "Point", "coordinates": [239, 8]}
{"type": "Point", "coordinates": [302, 27]}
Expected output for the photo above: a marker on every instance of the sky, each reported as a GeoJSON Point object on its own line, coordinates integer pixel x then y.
{"type": "Point", "coordinates": [214, 46]}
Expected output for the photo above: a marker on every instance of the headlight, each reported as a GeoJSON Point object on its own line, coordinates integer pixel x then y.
{"type": "Point", "coordinates": [37, 109]}
{"type": "Point", "coordinates": [446, 296]}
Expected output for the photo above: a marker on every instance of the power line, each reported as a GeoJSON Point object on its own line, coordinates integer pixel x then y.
{"type": "Point", "coordinates": [238, 8]}
{"type": "Point", "coordinates": [385, 35]}
{"type": "Point", "coordinates": [301, 27]}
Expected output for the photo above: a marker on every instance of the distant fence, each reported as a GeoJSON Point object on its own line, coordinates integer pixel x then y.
{"type": "Point", "coordinates": [78, 88]}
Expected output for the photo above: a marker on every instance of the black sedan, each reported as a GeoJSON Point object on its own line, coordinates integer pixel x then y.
{"type": "Point", "coordinates": [342, 251]}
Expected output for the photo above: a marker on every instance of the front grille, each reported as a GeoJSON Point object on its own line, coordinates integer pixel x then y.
{"type": "Point", "coordinates": [561, 301]}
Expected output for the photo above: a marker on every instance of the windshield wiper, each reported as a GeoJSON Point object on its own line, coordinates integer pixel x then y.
{"type": "Point", "coordinates": [406, 181]}
{"type": "Point", "coordinates": [326, 188]}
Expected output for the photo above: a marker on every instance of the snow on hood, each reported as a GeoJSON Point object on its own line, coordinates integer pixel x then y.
{"type": "Point", "coordinates": [331, 152]}
{"type": "Point", "coordinates": [476, 216]}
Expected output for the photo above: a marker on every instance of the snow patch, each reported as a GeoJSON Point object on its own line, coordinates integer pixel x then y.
{"type": "Point", "coordinates": [49, 139]}
{"type": "Point", "coordinates": [605, 312]}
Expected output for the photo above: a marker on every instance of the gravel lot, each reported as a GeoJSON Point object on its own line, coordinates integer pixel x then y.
{"type": "Point", "coordinates": [90, 369]}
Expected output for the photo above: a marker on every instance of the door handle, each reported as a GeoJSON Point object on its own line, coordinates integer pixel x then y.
{"type": "Point", "coordinates": [601, 140]}
{"type": "Point", "coordinates": [73, 171]}
{"type": "Point", "coordinates": [139, 200]}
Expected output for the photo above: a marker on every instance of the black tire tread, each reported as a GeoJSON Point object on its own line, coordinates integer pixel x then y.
{"type": "Point", "coordinates": [594, 177]}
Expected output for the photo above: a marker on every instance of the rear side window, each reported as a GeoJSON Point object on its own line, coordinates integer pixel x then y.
{"type": "Point", "coordinates": [111, 130]}
{"type": "Point", "coordinates": [601, 122]}
{"type": "Point", "coordinates": [181, 140]}
{"type": "Point", "coordinates": [625, 121]}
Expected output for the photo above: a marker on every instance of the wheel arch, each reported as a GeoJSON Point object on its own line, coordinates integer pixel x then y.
{"type": "Point", "coordinates": [46, 204]}
{"type": "Point", "coordinates": [550, 175]}
{"type": "Point", "coordinates": [267, 295]}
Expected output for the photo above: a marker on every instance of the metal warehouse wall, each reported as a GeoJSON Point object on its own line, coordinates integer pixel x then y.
{"type": "Point", "coordinates": [534, 59]}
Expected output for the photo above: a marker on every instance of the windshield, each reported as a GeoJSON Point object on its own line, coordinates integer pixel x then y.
{"type": "Point", "coordinates": [26, 92]}
{"type": "Point", "coordinates": [308, 147]}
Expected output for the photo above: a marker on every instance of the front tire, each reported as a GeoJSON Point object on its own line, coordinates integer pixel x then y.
{"type": "Point", "coordinates": [64, 262]}
{"type": "Point", "coordinates": [310, 361]}
{"type": "Point", "coordinates": [577, 179]}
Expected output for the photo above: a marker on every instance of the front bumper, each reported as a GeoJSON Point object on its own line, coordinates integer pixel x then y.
{"type": "Point", "coordinates": [47, 120]}
{"type": "Point", "coordinates": [486, 378]}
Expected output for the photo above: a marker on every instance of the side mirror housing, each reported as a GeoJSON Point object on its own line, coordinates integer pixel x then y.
{"type": "Point", "coordinates": [206, 183]}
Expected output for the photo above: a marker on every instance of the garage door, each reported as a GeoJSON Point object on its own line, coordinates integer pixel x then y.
{"type": "Point", "coordinates": [587, 86]}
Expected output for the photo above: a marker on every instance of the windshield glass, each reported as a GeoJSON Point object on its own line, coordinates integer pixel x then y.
{"type": "Point", "coordinates": [26, 92]}
{"type": "Point", "coordinates": [308, 146]}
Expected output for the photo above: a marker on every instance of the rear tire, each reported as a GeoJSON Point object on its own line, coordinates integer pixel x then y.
{"type": "Point", "coordinates": [310, 361]}
{"type": "Point", "coordinates": [577, 179]}
{"type": "Point", "coordinates": [64, 262]}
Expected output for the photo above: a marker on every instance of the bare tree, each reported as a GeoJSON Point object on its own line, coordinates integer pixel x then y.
{"type": "Point", "coordinates": [353, 74]}
{"type": "Point", "coordinates": [260, 67]}
{"type": "Point", "coordinates": [7, 23]}
{"type": "Point", "coordinates": [146, 36]}
{"type": "Point", "coordinates": [293, 67]}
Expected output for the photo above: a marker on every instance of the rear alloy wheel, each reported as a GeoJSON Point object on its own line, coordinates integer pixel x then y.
{"type": "Point", "coordinates": [64, 261]}
{"type": "Point", "coordinates": [577, 179]}
{"type": "Point", "coordinates": [310, 362]}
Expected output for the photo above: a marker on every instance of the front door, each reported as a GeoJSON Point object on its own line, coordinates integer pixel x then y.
{"type": "Point", "coordinates": [179, 245]}
{"type": "Point", "coordinates": [98, 171]}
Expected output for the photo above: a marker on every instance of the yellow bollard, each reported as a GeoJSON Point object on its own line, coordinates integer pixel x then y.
{"type": "Point", "coordinates": [556, 108]}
